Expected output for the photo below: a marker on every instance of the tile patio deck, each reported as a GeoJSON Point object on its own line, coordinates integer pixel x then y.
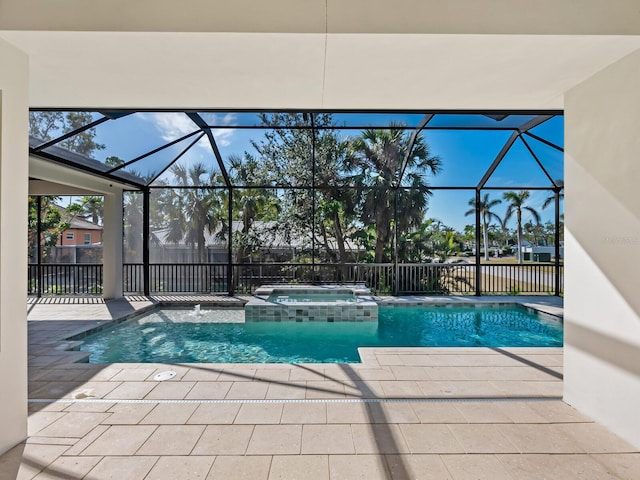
{"type": "Point", "coordinates": [403, 413]}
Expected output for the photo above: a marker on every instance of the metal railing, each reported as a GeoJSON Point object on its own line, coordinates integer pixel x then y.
{"type": "Point", "coordinates": [381, 278]}
{"type": "Point", "coordinates": [516, 279]}
{"type": "Point", "coordinates": [65, 279]}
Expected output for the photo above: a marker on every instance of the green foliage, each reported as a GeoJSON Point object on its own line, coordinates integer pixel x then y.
{"type": "Point", "coordinates": [48, 125]}
{"type": "Point", "coordinates": [191, 211]}
{"type": "Point", "coordinates": [51, 221]}
{"type": "Point", "coordinates": [486, 216]}
{"type": "Point", "coordinates": [375, 164]}
{"type": "Point", "coordinates": [517, 203]}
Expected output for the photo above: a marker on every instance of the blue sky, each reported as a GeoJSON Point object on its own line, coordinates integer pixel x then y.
{"type": "Point", "coordinates": [465, 154]}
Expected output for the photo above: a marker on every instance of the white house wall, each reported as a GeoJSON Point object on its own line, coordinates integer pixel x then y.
{"type": "Point", "coordinates": [602, 241]}
{"type": "Point", "coordinates": [13, 243]}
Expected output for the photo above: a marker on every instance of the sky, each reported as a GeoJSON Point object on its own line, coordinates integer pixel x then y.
{"type": "Point", "coordinates": [465, 154]}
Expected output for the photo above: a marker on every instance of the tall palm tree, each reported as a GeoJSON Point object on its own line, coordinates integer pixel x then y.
{"type": "Point", "coordinates": [517, 205]}
{"type": "Point", "coordinates": [486, 216]}
{"type": "Point", "coordinates": [552, 198]}
{"type": "Point", "coordinates": [94, 207]}
{"type": "Point", "coordinates": [375, 163]}
{"type": "Point", "coordinates": [251, 203]}
{"type": "Point", "coordinates": [195, 209]}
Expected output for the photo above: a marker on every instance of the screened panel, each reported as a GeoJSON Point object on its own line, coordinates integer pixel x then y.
{"type": "Point", "coordinates": [552, 130]}
{"type": "Point", "coordinates": [135, 134]}
{"type": "Point", "coordinates": [464, 155]}
{"type": "Point", "coordinates": [50, 125]}
{"type": "Point", "coordinates": [551, 158]}
{"type": "Point", "coordinates": [269, 157]}
{"type": "Point", "coordinates": [376, 120]}
{"type": "Point", "coordinates": [518, 168]}
{"type": "Point", "coordinates": [188, 225]}
{"type": "Point", "coordinates": [475, 121]}
{"type": "Point", "coordinates": [133, 221]}
{"type": "Point", "coordinates": [335, 163]}
{"type": "Point", "coordinates": [253, 119]}
{"type": "Point", "coordinates": [443, 232]}
{"type": "Point", "coordinates": [256, 233]}
{"type": "Point", "coordinates": [186, 164]}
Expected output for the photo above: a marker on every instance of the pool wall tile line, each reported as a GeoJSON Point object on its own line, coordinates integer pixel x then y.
{"type": "Point", "coordinates": [259, 310]}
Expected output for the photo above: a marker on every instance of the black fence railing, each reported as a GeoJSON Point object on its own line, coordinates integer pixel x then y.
{"type": "Point", "coordinates": [386, 278]}
{"type": "Point", "coordinates": [381, 278]}
{"type": "Point", "coordinates": [516, 279]}
{"type": "Point", "coordinates": [65, 279]}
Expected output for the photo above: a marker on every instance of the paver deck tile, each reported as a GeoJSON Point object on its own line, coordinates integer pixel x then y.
{"type": "Point", "coordinates": [259, 413]}
{"type": "Point", "coordinates": [275, 440]}
{"type": "Point", "coordinates": [358, 467]}
{"type": "Point", "coordinates": [223, 440]}
{"type": "Point", "coordinates": [427, 467]}
{"type": "Point", "coordinates": [327, 439]}
{"type": "Point", "coordinates": [181, 468]}
{"type": "Point", "coordinates": [131, 468]}
{"type": "Point", "coordinates": [120, 440]}
{"type": "Point", "coordinates": [476, 467]}
{"type": "Point", "coordinates": [570, 467]}
{"type": "Point", "coordinates": [214, 413]}
{"type": "Point", "coordinates": [172, 440]}
{"type": "Point", "coordinates": [307, 413]}
{"type": "Point", "coordinates": [209, 390]}
{"type": "Point", "coordinates": [241, 468]}
{"type": "Point", "coordinates": [169, 414]}
{"type": "Point", "coordinates": [295, 467]}
{"type": "Point", "coordinates": [378, 438]}
{"type": "Point", "coordinates": [68, 467]}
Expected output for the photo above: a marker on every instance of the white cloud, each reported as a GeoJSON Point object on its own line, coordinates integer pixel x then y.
{"type": "Point", "coordinates": [173, 125]}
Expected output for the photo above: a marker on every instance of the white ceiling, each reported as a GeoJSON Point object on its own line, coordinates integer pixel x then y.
{"type": "Point", "coordinates": [314, 70]}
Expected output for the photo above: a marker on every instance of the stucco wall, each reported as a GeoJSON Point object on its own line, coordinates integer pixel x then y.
{"type": "Point", "coordinates": [13, 243]}
{"type": "Point", "coordinates": [602, 274]}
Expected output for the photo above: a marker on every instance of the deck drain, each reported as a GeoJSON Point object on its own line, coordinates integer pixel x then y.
{"type": "Point", "coordinates": [162, 376]}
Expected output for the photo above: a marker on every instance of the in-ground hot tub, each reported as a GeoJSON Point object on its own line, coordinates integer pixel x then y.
{"type": "Point", "coordinates": [304, 303]}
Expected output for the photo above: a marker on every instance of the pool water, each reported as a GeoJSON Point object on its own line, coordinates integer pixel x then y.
{"type": "Point", "coordinates": [175, 336]}
{"type": "Point", "coordinates": [293, 295]}
{"type": "Point", "coordinates": [312, 297]}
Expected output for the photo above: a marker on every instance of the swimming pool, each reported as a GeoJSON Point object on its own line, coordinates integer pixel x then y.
{"type": "Point", "coordinates": [291, 295]}
{"type": "Point", "coordinates": [220, 336]}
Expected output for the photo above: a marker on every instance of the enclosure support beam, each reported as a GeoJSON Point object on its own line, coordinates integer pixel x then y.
{"type": "Point", "coordinates": [396, 269]}
{"type": "Point", "coordinates": [230, 244]}
{"type": "Point", "coordinates": [145, 240]}
{"type": "Point", "coordinates": [557, 242]}
{"type": "Point", "coordinates": [39, 244]}
{"type": "Point", "coordinates": [478, 264]}
{"type": "Point", "coordinates": [112, 246]}
{"type": "Point", "coordinates": [498, 159]}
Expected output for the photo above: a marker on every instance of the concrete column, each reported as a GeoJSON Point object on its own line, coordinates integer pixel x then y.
{"type": "Point", "coordinates": [14, 81]}
{"type": "Point", "coordinates": [112, 246]}
{"type": "Point", "coordinates": [602, 245]}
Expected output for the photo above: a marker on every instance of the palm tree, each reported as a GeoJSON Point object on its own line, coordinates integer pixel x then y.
{"type": "Point", "coordinates": [551, 198]}
{"type": "Point", "coordinates": [195, 209]}
{"type": "Point", "coordinates": [517, 205]}
{"type": "Point", "coordinates": [94, 207]}
{"type": "Point", "coordinates": [375, 161]}
{"type": "Point", "coordinates": [250, 202]}
{"type": "Point", "coordinates": [486, 215]}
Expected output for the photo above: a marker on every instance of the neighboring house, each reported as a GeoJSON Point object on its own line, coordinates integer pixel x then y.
{"type": "Point", "coordinates": [81, 232]}
{"type": "Point", "coordinates": [267, 243]}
